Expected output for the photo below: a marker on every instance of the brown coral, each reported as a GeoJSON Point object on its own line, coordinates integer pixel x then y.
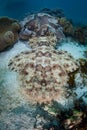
{"type": "Point", "coordinates": [67, 26]}
{"type": "Point", "coordinates": [83, 65]}
{"type": "Point", "coordinates": [9, 29]}
{"type": "Point", "coordinates": [8, 37]}
{"type": "Point", "coordinates": [80, 34]}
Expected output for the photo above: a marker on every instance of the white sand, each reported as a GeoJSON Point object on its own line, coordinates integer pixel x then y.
{"type": "Point", "coordinates": [76, 50]}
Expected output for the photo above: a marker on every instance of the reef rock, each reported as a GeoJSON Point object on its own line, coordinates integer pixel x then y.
{"type": "Point", "coordinates": [80, 34]}
{"type": "Point", "coordinates": [68, 28]}
{"type": "Point", "coordinates": [74, 120]}
{"type": "Point", "coordinates": [83, 65]}
{"type": "Point", "coordinates": [9, 29]}
{"type": "Point", "coordinates": [8, 37]}
{"type": "Point", "coordinates": [41, 24]}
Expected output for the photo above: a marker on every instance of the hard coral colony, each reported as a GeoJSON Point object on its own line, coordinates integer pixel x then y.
{"type": "Point", "coordinates": [9, 29]}
{"type": "Point", "coordinates": [43, 71]}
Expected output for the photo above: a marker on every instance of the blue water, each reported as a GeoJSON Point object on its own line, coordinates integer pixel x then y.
{"type": "Point", "coordinates": [74, 9]}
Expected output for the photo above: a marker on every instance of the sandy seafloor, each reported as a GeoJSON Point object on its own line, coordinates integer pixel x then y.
{"type": "Point", "coordinates": [16, 113]}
